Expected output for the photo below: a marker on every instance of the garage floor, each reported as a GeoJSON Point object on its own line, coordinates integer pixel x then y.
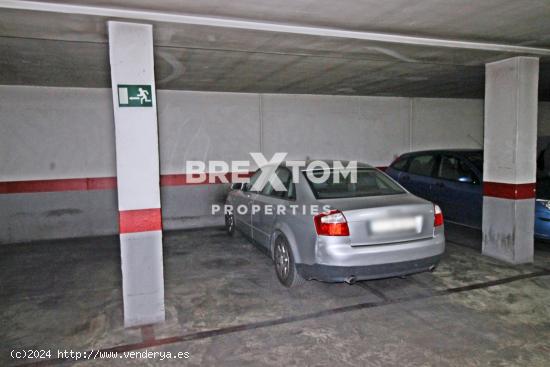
{"type": "Point", "coordinates": [224, 305]}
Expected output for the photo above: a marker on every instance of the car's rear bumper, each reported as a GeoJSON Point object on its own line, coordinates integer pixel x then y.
{"type": "Point", "coordinates": [336, 259]}
{"type": "Point", "coordinates": [337, 251]}
{"type": "Point", "coordinates": [327, 273]}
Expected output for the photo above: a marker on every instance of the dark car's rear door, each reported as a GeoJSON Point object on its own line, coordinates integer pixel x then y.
{"type": "Point", "coordinates": [418, 178]}
{"type": "Point", "coordinates": [398, 167]}
{"type": "Point", "coordinates": [457, 190]}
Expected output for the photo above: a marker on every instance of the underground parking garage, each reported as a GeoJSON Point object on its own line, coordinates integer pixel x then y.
{"type": "Point", "coordinates": [267, 183]}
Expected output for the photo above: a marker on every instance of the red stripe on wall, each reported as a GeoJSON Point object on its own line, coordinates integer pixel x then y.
{"type": "Point", "coordinates": [141, 220]}
{"type": "Point", "coordinates": [207, 178]}
{"type": "Point", "coordinates": [69, 184]}
{"type": "Point", "coordinates": [509, 191]}
{"type": "Point", "coordinates": [104, 183]}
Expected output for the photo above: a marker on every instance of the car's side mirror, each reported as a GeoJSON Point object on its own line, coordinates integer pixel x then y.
{"type": "Point", "coordinates": [238, 186]}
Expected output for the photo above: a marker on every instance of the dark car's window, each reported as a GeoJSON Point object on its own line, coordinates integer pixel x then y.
{"type": "Point", "coordinates": [476, 158]}
{"type": "Point", "coordinates": [370, 182]}
{"type": "Point", "coordinates": [285, 176]}
{"type": "Point", "coordinates": [400, 164]}
{"type": "Point", "coordinates": [422, 165]}
{"type": "Point", "coordinates": [543, 188]}
{"type": "Point", "coordinates": [455, 169]}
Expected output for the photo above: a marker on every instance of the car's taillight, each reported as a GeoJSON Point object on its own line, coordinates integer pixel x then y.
{"type": "Point", "coordinates": [331, 223]}
{"type": "Point", "coordinates": [438, 216]}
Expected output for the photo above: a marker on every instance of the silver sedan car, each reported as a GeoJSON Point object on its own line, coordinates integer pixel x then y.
{"type": "Point", "coordinates": [337, 230]}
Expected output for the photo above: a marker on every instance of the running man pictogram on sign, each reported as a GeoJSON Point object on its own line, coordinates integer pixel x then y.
{"type": "Point", "coordinates": [135, 96]}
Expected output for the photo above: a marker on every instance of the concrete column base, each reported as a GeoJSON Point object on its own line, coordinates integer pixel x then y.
{"type": "Point", "coordinates": [508, 229]}
{"type": "Point", "coordinates": [142, 278]}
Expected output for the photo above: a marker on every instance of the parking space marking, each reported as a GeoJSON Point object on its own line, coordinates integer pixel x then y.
{"type": "Point", "coordinates": [373, 290]}
{"type": "Point", "coordinates": [147, 333]}
{"type": "Point", "coordinates": [297, 318]}
{"type": "Point", "coordinates": [460, 244]}
{"type": "Point", "coordinates": [420, 283]}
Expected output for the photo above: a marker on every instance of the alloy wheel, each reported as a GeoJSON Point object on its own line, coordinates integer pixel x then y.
{"type": "Point", "coordinates": [282, 259]}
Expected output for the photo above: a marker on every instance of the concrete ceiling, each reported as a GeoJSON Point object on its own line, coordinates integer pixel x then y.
{"type": "Point", "coordinates": [52, 49]}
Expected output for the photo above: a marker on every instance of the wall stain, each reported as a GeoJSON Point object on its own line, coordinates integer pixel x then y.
{"type": "Point", "coordinates": [502, 241]}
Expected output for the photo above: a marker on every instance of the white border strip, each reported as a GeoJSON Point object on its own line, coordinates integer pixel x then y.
{"type": "Point", "coordinates": [155, 16]}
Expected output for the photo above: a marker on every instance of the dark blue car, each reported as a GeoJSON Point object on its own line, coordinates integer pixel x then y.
{"type": "Point", "coordinates": [453, 179]}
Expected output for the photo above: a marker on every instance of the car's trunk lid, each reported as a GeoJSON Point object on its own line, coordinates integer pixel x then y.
{"type": "Point", "coordinates": [386, 219]}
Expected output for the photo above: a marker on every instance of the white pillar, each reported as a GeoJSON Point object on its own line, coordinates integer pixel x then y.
{"type": "Point", "coordinates": [137, 161]}
{"type": "Point", "coordinates": [509, 173]}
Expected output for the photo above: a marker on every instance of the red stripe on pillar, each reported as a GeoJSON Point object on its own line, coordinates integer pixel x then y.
{"type": "Point", "coordinates": [141, 220]}
{"type": "Point", "coordinates": [509, 191]}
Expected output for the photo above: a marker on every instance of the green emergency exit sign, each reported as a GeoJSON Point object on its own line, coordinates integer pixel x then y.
{"type": "Point", "coordinates": [134, 96]}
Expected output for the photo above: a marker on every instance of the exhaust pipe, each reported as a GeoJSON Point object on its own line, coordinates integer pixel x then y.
{"type": "Point", "coordinates": [431, 268]}
{"type": "Point", "coordinates": [351, 280]}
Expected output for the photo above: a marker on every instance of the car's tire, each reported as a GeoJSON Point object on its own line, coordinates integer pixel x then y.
{"type": "Point", "coordinates": [230, 224]}
{"type": "Point", "coordinates": [285, 266]}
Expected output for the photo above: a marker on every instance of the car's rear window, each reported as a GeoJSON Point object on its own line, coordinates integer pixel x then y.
{"type": "Point", "coordinates": [370, 182]}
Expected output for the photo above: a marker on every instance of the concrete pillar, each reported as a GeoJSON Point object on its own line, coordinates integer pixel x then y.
{"type": "Point", "coordinates": [509, 173]}
{"type": "Point", "coordinates": [137, 161]}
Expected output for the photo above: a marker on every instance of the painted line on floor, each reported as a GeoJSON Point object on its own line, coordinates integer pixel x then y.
{"type": "Point", "coordinates": [292, 319]}
{"type": "Point", "coordinates": [147, 333]}
{"type": "Point", "coordinates": [466, 246]}
{"type": "Point", "coordinates": [459, 244]}
{"type": "Point", "coordinates": [474, 249]}
{"type": "Point", "coordinates": [374, 291]}
{"type": "Point", "coordinates": [420, 284]}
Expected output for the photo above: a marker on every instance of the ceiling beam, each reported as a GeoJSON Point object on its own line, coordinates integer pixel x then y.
{"type": "Point", "coordinates": [179, 18]}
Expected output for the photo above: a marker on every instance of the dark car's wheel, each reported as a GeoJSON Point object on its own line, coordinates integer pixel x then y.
{"type": "Point", "coordinates": [230, 224]}
{"type": "Point", "coordinates": [285, 267]}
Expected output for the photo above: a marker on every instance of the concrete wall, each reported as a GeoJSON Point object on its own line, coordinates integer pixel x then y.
{"type": "Point", "coordinates": [59, 133]}
{"type": "Point", "coordinates": [371, 129]}
{"type": "Point", "coordinates": [447, 123]}
{"type": "Point", "coordinates": [51, 133]}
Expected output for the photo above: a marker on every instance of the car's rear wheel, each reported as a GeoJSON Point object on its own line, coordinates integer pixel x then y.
{"type": "Point", "coordinates": [230, 224]}
{"type": "Point", "coordinates": [285, 267]}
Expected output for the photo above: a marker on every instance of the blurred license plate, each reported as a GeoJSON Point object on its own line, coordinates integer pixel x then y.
{"type": "Point", "coordinates": [410, 224]}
